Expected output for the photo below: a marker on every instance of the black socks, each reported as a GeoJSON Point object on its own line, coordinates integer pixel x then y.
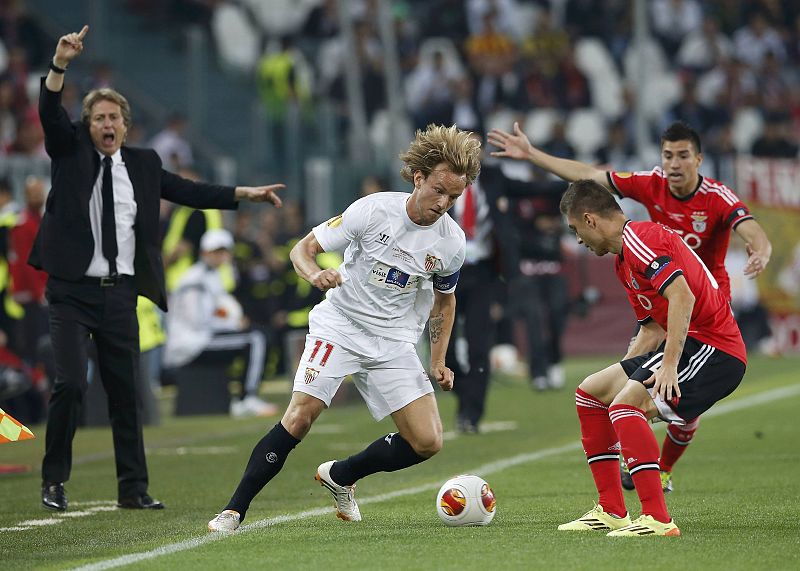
{"type": "Point", "coordinates": [265, 462]}
{"type": "Point", "coordinates": [387, 454]}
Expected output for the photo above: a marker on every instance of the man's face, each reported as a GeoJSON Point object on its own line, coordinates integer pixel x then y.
{"type": "Point", "coordinates": [587, 232]}
{"type": "Point", "coordinates": [216, 258]}
{"type": "Point", "coordinates": [436, 194]}
{"type": "Point", "coordinates": [34, 194]}
{"type": "Point", "coordinates": [107, 127]}
{"type": "Point", "coordinates": [680, 161]}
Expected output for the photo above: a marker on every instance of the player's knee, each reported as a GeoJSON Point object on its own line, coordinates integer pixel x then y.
{"type": "Point", "coordinates": [428, 445]}
{"type": "Point", "coordinates": [298, 421]}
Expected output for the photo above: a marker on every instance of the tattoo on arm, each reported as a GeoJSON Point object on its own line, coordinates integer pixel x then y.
{"type": "Point", "coordinates": [435, 325]}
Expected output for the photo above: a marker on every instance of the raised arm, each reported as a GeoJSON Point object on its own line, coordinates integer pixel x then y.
{"type": "Point", "coordinates": [440, 326]}
{"type": "Point", "coordinates": [68, 48]}
{"type": "Point", "coordinates": [759, 248]}
{"type": "Point", "coordinates": [516, 145]}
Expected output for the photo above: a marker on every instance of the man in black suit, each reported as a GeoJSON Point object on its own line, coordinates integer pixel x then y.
{"type": "Point", "coordinates": [99, 243]}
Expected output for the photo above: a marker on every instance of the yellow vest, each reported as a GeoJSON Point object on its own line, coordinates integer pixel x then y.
{"type": "Point", "coordinates": [177, 226]}
{"type": "Point", "coordinates": [151, 333]}
{"type": "Point", "coordinates": [11, 307]}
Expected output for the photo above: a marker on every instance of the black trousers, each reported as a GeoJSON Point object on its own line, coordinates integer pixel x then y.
{"type": "Point", "coordinates": [474, 296]}
{"type": "Point", "coordinates": [108, 314]}
{"type": "Point", "coordinates": [542, 301]}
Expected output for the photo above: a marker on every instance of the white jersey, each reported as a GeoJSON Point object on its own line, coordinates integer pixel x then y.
{"type": "Point", "coordinates": [391, 264]}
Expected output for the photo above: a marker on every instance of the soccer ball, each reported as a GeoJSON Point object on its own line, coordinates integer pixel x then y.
{"type": "Point", "coordinates": [466, 500]}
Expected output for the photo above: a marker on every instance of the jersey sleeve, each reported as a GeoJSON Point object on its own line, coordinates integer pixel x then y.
{"type": "Point", "coordinates": [446, 280]}
{"type": "Point", "coordinates": [338, 232]}
{"type": "Point", "coordinates": [651, 253]}
{"type": "Point", "coordinates": [631, 184]}
{"type": "Point", "coordinates": [729, 207]}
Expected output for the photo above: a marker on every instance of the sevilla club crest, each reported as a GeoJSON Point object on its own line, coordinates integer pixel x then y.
{"type": "Point", "coordinates": [310, 375]}
{"type": "Point", "coordinates": [432, 263]}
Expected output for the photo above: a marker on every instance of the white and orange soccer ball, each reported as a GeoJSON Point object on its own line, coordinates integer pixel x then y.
{"type": "Point", "coordinates": [466, 500]}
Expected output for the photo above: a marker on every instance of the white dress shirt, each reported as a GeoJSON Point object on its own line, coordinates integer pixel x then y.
{"type": "Point", "coordinates": [124, 216]}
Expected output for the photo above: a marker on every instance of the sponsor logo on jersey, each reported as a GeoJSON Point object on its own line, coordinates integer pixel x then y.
{"type": "Point", "coordinates": [634, 283]}
{"type": "Point", "coordinates": [310, 375]}
{"type": "Point", "coordinates": [676, 216]}
{"type": "Point", "coordinates": [383, 239]}
{"type": "Point", "coordinates": [335, 221]}
{"type": "Point", "coordinates": [699, 222]}
{"type": "Point", "coordinates": [433, 264]}
{"type": "Point", "coordinates": [392, 278]}
{"type": "Point", "coordinates": [401, 254]}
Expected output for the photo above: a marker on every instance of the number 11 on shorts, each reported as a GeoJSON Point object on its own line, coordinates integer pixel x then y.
{"type": "Point", "coordinates": [315, 350]}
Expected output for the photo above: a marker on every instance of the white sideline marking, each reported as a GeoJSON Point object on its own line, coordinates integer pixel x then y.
{"type": "Point", "coordinates": [99, 506]}
{"type": "Point", "coordinates": [491, 467]}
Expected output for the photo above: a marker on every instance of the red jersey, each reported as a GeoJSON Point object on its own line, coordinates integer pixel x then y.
{"type": "Point", "coordinates": [652, 257]}
{"type": "Point", "coordinates": [704, 218]}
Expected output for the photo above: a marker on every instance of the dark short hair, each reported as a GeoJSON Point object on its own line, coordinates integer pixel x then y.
{"type": "Point", "coordinates": [588, 196]}
{"type": "Point", "coordinates": [680, 131]}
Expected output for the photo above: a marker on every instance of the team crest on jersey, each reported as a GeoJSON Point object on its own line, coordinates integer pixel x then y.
{"type": "Point", "coordinates": [433, 264]}
{"type": "Point", "coordinates": [310, 375]}
{"type": "Point", "coordinates": [699, 222]}
{"type": "Point", "coordinates": [335, 221]}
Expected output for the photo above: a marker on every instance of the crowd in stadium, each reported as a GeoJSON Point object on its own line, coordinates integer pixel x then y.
{"type": "Point", "coordinates": [565, 69]}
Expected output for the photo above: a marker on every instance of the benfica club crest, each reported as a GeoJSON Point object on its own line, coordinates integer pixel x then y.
{"type": "Point", "coordinates": [310, 375]}
{"type": "Point", "coordinates": [433, 264]}
{"type": "Point", "coordinates": [699, 222]}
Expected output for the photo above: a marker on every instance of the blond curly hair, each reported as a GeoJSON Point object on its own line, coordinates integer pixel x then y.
{"type": "Point", "coordinates": [461, 150]}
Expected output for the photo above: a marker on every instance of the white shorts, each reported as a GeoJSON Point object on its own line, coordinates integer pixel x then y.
{"type": "Point", "coordinates": [387, 373]}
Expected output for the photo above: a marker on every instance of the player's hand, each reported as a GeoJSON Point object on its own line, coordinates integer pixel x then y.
{"type": "Point", "coordinates": [326, 279]}
{"type": "Point", "coordinates": [69, 47]}
{"type": "Point", "coordinates": [513, 146]}
{"type": "Point", "coordinates": [443, 376]}
{"type": "Point", "coordinates": [756, 263]}
{"type": "Point", "coordinates": [665, 384]}
{"type": "Point", "coordinates": [260, 194]}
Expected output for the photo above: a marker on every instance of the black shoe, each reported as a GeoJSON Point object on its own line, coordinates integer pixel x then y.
{"type": "Point", "coordinates": [465, 426]}
{"type": "Point", "coordinates": [143, 502]}
{"type": "Point", "coordinates": [625, 476]}
{"type": "Point", "coordinates": [53, 496]}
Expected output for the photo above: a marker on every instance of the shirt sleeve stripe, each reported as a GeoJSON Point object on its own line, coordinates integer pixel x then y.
{"type": "Point", "coordinates": [740, 220]}
{"type": "Point", "coordinates": [614, 188]}
{"type": "Point", "coordinates": [637, 246]}
{"type": "Point", "coordinates": [669, 280]}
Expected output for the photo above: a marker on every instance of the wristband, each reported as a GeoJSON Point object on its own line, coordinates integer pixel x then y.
{"type": "Point", "coordinates": [56, 69]}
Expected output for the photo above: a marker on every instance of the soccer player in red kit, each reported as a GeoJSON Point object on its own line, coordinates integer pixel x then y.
{"type": "Point", "coordinates": [701, 210]}
{"type": "Point", "coordinates": [687, 355]}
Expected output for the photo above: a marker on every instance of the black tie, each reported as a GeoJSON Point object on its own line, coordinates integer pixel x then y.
{"type": "Point", "coordinates": [109, 225]}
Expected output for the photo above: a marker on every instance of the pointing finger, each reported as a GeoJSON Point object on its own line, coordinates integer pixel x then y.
{"type": "Point", "coordinates": [82, 33]}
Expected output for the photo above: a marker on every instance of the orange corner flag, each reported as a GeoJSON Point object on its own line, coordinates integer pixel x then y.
{"type": "Point", "coordinates": [12, 430]}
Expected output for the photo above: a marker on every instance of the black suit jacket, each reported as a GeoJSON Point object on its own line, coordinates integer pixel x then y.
{"type": "Point", "coordinates": [64, 244]}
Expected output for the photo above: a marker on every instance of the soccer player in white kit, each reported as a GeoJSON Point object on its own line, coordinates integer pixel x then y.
{"type": "Point", "coordinates": [402, 258]}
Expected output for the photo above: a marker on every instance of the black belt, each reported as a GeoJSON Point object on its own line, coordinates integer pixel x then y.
{"type": "Point", "coordinates": [105, 281]}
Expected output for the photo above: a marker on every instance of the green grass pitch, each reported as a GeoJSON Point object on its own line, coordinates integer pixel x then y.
{"type": "Point", "coordinates": [737, 497]}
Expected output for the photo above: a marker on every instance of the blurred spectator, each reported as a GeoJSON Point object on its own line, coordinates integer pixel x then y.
{"type": "Point", "coordinates": [775, 83]}
{"type": "Point", "coordinates": [8, 115]}
{"type": "Point", "coordinates": [322, 21]}
{"type": "Point", "coordinates": [443, 18]}
{"type": "Point", "coordinates": [673, 20]}
{"type": "Point", "coordinates": [18, 28]}
{"type": "Point", "coordinates": [538, 295]}
{"type": "Point", "coordinates": [731, 85]}
{"type": "Point", "coordinates": [465, 114]}
{"type": "Point", "coordinates": [704, 48]}
{"type": "Point", "coordinates": [692, 112]}
{"type": "Point", "coordinates": [504, 20]}
{"type": "Point", "coordinates": [371, 184]}
{"type": "Point", "coordinates": [774, 142]}
{"type": "Point", "coordinates": [171, 144]}
{"type": "Point", "coordinates": [547, 45]}
{"type": "Point", "coordinates": [28, 284]}
{"type": "Point", "coordinates": [430, 91]}
{"type": "Point", "coordinates": [102, 76]}
{"type": "Point", "coordinates": [205, 320]}
{"type": "Point", "coordinates": [558, 145]}
{"type": "Point", "coordinates": [756, 39]}
{"type": "Point", "coordinates": [29, 140]}
{"type": "Point", "coordinates": [619, 150]}
{"type": "Point", "coordinates": [283, 79]}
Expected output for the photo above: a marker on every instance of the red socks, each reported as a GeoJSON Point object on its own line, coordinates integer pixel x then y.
{"type": "Point", "coordinates": [640, 450]}
{"type": "Point", "coordinates": [675, 443]}
{"type": "Point", "coordinates": [600, 443]}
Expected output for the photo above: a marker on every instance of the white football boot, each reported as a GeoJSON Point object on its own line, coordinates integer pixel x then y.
{"type": "Point", "coordinates": [343, 496]}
